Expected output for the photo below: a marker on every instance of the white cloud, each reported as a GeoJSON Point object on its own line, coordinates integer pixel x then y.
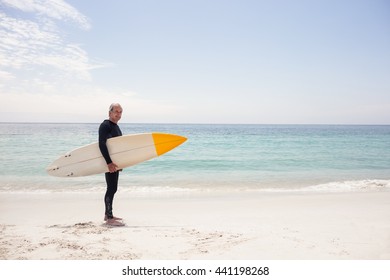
{"type": "Point", "coordinates": [92, 106]}
{"type": "Point", "coordinates": [23, 41]}
{"type": "Point", "coordinates": [56, 9]}
{"type": "Point", "coordinates": [5, 76]}
{"type": "Point", "coordinates": [27, 42]}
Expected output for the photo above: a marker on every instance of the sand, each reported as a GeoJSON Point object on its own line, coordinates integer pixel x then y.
{"type": "Point", "coordinates": [201, 226]}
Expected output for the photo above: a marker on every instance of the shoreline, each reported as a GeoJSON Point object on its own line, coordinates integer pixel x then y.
{"type": "Point", "coordinates": [209, 226]}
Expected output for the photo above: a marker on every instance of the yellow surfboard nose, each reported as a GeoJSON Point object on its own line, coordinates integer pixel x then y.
{"type": "Point", "coordinates": [164, 142]}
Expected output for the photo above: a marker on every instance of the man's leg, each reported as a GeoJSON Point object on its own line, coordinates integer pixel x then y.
{"type": "Point", "coordinates": [112, 186]}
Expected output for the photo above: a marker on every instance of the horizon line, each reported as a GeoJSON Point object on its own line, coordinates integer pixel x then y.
{"type": "Point", "coordinates": [194, 123]}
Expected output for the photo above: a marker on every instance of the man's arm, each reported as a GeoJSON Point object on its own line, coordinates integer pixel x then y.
{"type": "Point", "coordinates": [104, 131]}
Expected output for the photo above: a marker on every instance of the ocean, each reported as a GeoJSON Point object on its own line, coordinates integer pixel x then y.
{"type": "Point", "coordinates": [216, 157]}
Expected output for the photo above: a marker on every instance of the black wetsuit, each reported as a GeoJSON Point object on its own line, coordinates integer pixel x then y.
{"type": "Point", "coordinates": [107, 130]}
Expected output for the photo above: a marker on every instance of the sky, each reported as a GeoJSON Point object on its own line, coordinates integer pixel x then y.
{"type": "Point", "coordinates": [196, 61]}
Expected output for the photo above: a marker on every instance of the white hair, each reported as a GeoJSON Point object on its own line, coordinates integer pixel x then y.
{"type": "Point", "coordinates": [113, 105]}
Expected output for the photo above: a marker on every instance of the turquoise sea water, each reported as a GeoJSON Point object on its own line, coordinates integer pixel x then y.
{"type": "Point", "coordinates": [216, 157]}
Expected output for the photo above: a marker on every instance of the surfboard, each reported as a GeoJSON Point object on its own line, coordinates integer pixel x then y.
{"type": "Point", "coordinates": [125, 151]}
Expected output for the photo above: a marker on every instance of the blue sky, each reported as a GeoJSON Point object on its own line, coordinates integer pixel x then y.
{"type": "Point", "coordinates": [215, 61]}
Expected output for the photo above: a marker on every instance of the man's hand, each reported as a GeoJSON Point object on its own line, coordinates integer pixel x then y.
{"type": "Point", "coordinates": [112, 167]}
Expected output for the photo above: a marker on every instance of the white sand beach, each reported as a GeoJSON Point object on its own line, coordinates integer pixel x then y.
{"type": "Point", "coordinates": [62, 226]}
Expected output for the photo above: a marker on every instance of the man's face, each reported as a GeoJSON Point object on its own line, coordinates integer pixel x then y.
{"type": "Point", "coordinates": [116, 114]}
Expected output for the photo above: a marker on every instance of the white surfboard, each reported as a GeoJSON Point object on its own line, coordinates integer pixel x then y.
{"type": "Point", "coordinates": [124, 150]}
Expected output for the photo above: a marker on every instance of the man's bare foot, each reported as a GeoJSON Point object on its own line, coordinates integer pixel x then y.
{"type": "Point", "coordinates": [115, 223]}
{"type": "Point", "coordinates": [114, 218]}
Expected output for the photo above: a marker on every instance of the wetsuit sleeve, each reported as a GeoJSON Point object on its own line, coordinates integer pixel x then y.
{"type": "Point", "coordinates": [104, 131]}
